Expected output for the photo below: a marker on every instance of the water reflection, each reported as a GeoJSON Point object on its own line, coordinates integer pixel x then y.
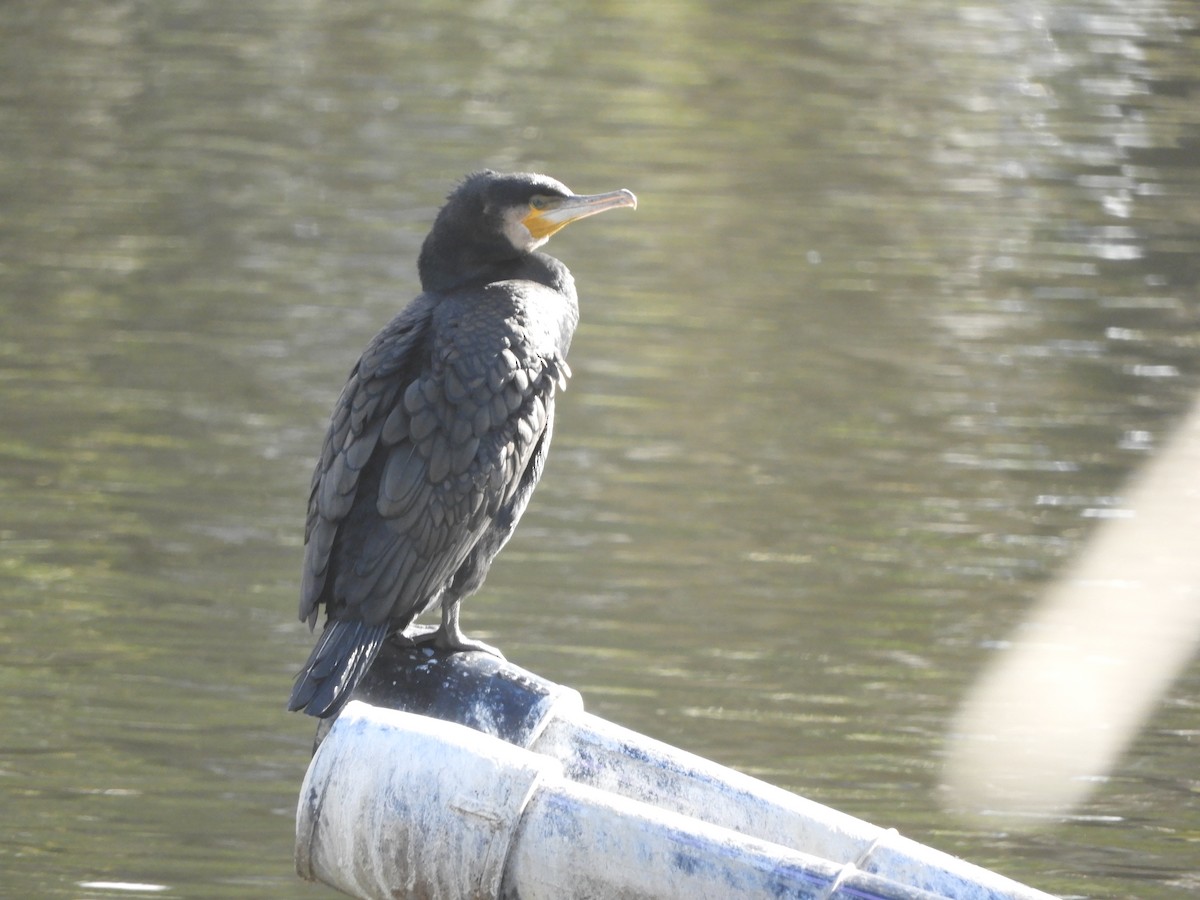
{"type": "Point", "coordinates": [910, 290]}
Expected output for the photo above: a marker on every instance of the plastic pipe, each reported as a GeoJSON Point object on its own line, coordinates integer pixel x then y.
{"type": "Point", "coordinates": [396, 805]}
{"type": "Point", "coordinates": [500, 699]}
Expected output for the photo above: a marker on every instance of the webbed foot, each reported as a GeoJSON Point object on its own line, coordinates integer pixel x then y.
{"type": "Point", "coordinates": [450, 637]}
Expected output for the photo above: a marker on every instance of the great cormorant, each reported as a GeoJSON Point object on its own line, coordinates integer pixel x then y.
{"type": "Point", "coordinates": [441, 433]}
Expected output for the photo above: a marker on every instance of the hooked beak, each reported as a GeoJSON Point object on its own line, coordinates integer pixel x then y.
{"type": "Point", "coordinates": [548, 214]}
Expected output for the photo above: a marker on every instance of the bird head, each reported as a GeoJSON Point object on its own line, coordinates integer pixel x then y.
{"type": "Point", "coordinates": [492, 217]}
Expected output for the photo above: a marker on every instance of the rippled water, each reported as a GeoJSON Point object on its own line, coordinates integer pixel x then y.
{"type": "Point", "coordinates": [911, 291]}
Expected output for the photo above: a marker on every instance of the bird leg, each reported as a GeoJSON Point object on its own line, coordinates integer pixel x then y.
{"type": "Point", "coordinates": [450, 637]}
{"type": "Point", "coordinates": [413, 636]}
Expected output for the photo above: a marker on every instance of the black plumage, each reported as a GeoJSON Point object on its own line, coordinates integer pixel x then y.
{"type": "Point", "coordinates": [441, 432]}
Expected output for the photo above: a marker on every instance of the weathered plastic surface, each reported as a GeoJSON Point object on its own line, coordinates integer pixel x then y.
{"type": "Point", "coordinates": [478, 690]}
{"type": "Point", "coordinates": [423, 811]}
{"type": "Point", "coordinates": [397, 805]}
{"type": "Point", "coordinates": [578, 843]}
{"type": "Point", "coordinates": [499, 699]}
{"type": "Point", "coordinates": [597, 752]}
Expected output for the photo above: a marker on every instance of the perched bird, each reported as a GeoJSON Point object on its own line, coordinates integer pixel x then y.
{"type": "Point", "coordinates": [441, 433]}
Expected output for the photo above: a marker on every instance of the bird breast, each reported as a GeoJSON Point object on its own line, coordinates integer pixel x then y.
{"type": "Point", "coordinates": [464, 431]}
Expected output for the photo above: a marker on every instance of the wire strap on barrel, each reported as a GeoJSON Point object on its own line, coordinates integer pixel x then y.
{"type": "Point", "coordinates": [851, 867]}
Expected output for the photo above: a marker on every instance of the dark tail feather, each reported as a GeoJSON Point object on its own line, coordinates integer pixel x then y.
{"type": "Point", "coordinates": [337, 663]}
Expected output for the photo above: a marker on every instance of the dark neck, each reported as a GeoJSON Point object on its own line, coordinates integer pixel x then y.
{"type": "Point", "coordinates": [445, 268]}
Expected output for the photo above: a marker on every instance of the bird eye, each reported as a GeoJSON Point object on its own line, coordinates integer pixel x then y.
{"type": "Point", "coordinates": [539, 201]}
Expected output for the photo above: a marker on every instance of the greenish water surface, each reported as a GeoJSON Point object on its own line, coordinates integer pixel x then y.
{"type": "Point", "coordinates": [910, 293]}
